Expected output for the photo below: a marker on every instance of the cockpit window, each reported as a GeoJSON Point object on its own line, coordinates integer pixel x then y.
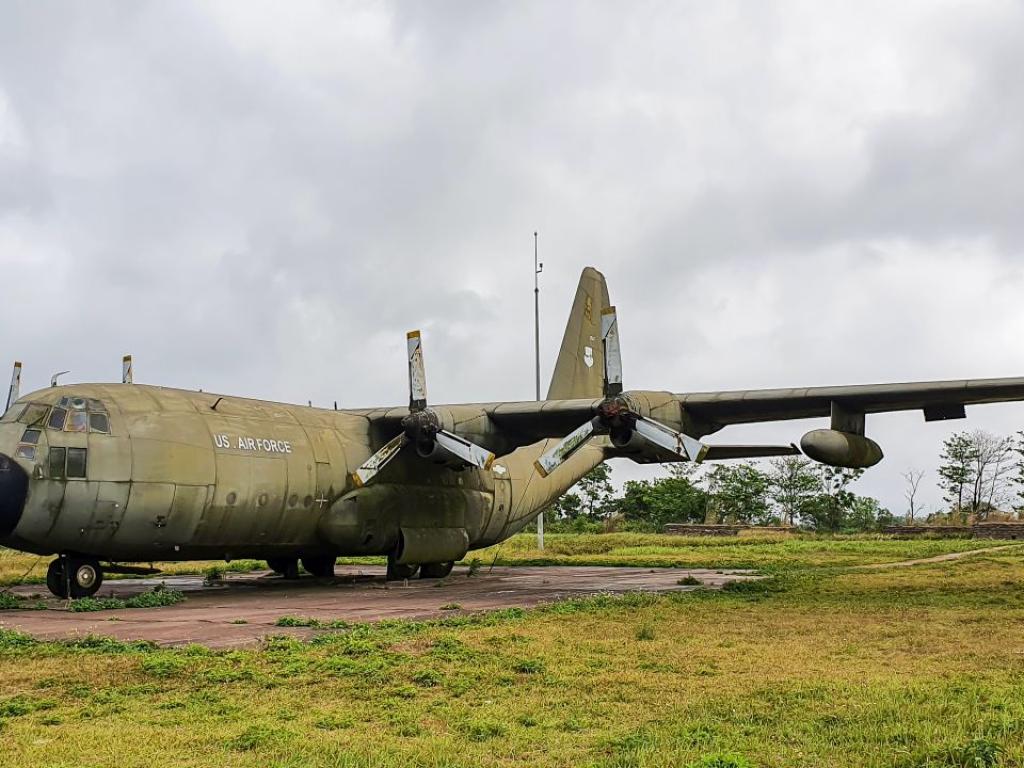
{"type": "Point", "coordinates": [71, 414]}
{"type": "Point", "coordinates": [76, 462]}
{"type": "Point", "coordinates": [34, 415]}
{"type": "Point", "coordinates": [31, 436]}
{"type": "Point", "coordinates": [57, 416]}
{"type": "Point", "coordinates": [57, 457]}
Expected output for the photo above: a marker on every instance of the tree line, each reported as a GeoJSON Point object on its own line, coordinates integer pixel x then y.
{"type": "Point", "coordinates": [981, 476]}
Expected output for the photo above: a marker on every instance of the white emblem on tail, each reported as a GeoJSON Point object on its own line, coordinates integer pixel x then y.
{"type": "Point", "coordinates": [588, 356]}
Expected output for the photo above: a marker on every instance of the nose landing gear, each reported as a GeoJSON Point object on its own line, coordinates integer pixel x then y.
{"type": "Point", "coordinates": [70, 576]}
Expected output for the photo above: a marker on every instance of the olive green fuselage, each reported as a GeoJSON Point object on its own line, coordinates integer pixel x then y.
{"type": "Point", "coordinates": [181, 475]}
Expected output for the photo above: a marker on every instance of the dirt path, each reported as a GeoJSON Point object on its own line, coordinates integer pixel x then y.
{"type": "Point", "coordinates": [940, 558]}
{"type": "Point", "coordinates": [244, 608]}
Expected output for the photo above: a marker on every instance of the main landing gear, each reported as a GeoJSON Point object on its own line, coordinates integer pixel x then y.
{"type": "Point", "coordinates": [288, 567]}
{"type": "Point", "coordinates": [402, 571]}
{"type": "Point", "coordinates": [71, 576]}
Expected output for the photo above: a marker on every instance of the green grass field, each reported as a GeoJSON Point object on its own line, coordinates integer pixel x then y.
{"type": "Point", "coordinates": [824, 664]}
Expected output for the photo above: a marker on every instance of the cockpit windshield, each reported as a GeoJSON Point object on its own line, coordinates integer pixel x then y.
{"type": "Point", "coordinates": [70, 414]}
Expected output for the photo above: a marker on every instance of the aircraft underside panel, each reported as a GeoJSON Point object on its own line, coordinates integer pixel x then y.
{"type": "Point", "coordinates": [370, 520]}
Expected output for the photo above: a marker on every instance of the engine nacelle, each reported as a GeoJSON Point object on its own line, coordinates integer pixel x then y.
{"type": "Point", "coordinates": [841, 449]}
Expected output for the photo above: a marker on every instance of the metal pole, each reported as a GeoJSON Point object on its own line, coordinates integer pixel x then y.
{"type": "Point", "coordinates": [537, 269]}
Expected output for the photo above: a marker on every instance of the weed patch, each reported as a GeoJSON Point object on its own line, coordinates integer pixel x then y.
{"type": "Point", "coordinates": [156, 598]}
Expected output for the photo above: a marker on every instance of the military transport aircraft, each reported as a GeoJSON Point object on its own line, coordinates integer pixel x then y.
{"type": "Point", "coordinates": [105, 475]}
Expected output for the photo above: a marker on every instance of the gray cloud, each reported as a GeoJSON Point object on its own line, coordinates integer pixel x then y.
{"type": "Point", "coordinates": [261, 200]}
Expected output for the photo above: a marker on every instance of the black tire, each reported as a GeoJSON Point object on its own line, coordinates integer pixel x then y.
{"type": "Point", "coordinates": [288, 567]}
{"type": "Point", "coordinates": [398, 572]}
{"type": "Point", "coordinates": [436, 570]}
{"type": "Point", "coordinates": [84, 577]}
{"type": "Point", "coordinates": [55, 579]}
{"type": "Point", "coordinates": [321, 567]}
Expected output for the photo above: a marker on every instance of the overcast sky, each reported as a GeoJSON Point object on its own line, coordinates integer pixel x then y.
{"type": "Point", "coordinates": [261, 198]}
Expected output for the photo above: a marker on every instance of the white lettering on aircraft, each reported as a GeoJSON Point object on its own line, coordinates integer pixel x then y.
{"type": "Point", "coordinates": [252, 444]}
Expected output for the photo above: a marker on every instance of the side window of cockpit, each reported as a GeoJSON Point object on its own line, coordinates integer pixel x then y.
{"type": "Point", "coordinates": [57, 459]}
{"type": "Point", "coordinates": [76, 462]}
{"type": "Point", "coordinates": [99, 422]}
{"type": "Point", "coordinates": [34, 415]}
{"type": "Point", "coordinates": [78, 421]}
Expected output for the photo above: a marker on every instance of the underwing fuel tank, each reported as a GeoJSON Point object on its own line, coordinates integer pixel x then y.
{"type": "Point", "coordinates": [841, 449]}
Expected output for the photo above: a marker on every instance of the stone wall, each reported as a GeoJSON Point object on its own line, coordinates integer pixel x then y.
{"type": "Point", "coordinates": [1014, 531]}
{"type": "Point", "coordinates": [945, 531]}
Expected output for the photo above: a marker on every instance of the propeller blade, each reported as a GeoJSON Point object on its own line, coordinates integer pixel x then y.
{"type": "Point", "coordinates": [566, 447]}
{"type": "Point", "coordinates": [378, 461]}
{"type": "Point", "coordinates": [14, 392]}
{"type": "Point", "coordinates": [667, 438]}
{"type": "Point", "coordinates": [612, 352]}
{"type": "Point", "coordinates": [417, 374]}
{"type": "Point", "coordinates": [126, 370]}
{"type": "Point", "coordinates": [471, 453]}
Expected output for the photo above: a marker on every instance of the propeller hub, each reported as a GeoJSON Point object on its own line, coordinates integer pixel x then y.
{"type": "Point", "coordinates": [617, 415]}
{"type": "Point", "coordinates": [421, 427]}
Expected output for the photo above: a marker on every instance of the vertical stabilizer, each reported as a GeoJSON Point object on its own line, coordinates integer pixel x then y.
{"type": "Point", "coordinates": [579, 370]}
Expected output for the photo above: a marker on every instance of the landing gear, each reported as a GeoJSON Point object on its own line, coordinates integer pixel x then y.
{"type": "Point", "coordinates": [399, 572]}
{"type": "Point", "coordinates": [74, 577]}
{"type": "Point", "coordinates": [288, 567]}
{"type": "Point", "coordinates": [321, 567]}
{"type": "Point", "coordinates": [435, 570]}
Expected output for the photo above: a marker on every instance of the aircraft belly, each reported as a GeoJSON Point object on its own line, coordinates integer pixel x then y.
{"type": "Point", "coordinates": [369, 520]}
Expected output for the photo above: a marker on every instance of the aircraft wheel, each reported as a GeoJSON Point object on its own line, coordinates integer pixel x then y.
{"type": "Point", "coordinates": [435, 570]}
{"type": "Point", "coordinates": [321, 567]}
{"type": "Point", "coordinates": [84, 577]}
{"type": "Point", "coordinates": [398, 572]}
{"type": "Point", "coordinates": [288, 567]}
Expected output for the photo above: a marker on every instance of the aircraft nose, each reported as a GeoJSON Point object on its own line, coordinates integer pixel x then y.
{"type": "Point", "coordinates": [13, 492]}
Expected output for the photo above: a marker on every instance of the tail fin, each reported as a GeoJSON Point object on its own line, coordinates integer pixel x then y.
{"type": "Point", "coordinates": [579, 370]}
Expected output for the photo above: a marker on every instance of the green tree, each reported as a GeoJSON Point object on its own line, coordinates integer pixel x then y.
{"type": "Point", "coordinates": [829, 509]}
{"type": "Point", "coordinates": [589, 498]}
{"type": "Point", "coordinates": [738, 493]}
{"type": "Point", "coordinates": [866, 514]}
{"type": "Point", "coordinates": [976, 472]}
{"type": "Point", "coordinates": [956, 472]}
{"type": "Point", "coordinates": [792, 484]}
{"type": "Point", "coordinates": [1018, 473]}
{"type": "Point", "coordinates": [650, 504]}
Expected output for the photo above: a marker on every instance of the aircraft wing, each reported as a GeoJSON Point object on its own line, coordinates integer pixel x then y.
{"type": "Point", "coordinates": [502, 427]}
{"type": "Point", "coordinates": [937, 399]}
